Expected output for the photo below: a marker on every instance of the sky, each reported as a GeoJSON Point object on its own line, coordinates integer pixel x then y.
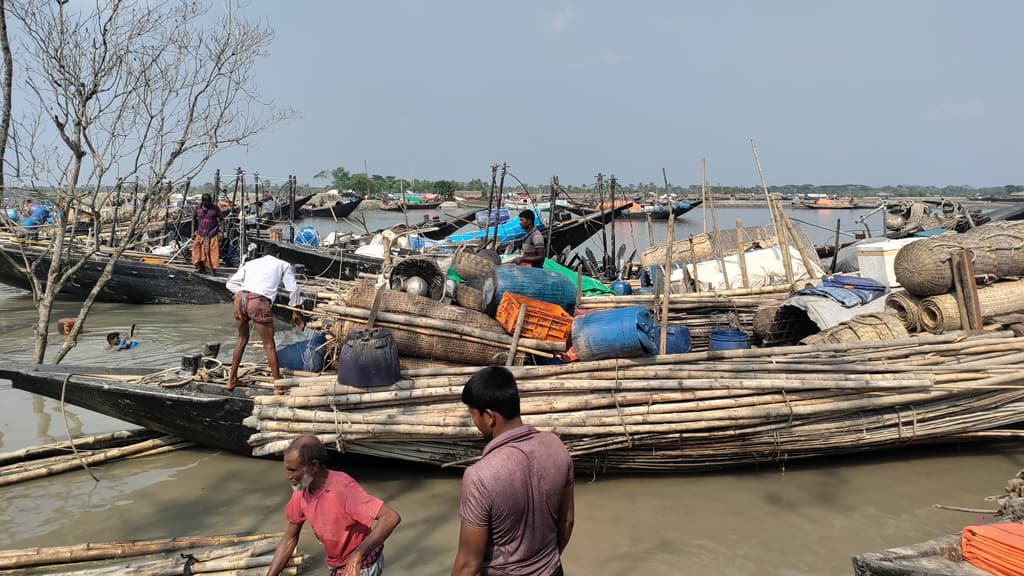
{"type": "Point", "coordinates": [871, 92]}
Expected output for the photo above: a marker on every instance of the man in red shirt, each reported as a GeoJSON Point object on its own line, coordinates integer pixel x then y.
{"type": "Point", "coordinates": [517, 500]}
{"type": "Point", "coordinates": [351, 524]}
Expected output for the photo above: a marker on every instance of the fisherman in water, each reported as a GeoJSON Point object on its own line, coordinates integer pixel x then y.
{"type": "Point", "coordinates": [533, 242]}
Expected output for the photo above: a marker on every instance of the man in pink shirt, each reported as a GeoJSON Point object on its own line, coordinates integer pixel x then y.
{"type": "Point", "coordinates": [351, 524]}
{"type": "Point", "coordinates": [517, 500]}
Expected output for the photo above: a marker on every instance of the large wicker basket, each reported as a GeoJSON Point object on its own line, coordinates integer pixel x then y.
{"type": "Point", "coordinates": [469, 266]}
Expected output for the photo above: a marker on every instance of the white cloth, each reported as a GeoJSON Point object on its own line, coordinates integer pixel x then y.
{"type": "Point", "coordinates": [263, 276]}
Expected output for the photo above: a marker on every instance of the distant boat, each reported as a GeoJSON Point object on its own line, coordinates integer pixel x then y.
{"type": "Point", "coordinates": [337, 209]}
{"type": "Point", "coordinates": [661, 210]}
{"type": "Point", "coordinates": [400, 206]}
{"type": "Point", "coordinates": [825, 203]}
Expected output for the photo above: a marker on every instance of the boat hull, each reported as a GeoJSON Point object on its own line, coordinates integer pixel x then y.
{"type": "Point", "coordinates": [332, 263]}
{"type": "Point", "coordinates": [206, 414]}
{"type": "Point", "coordinates": [131, 282]}
{"type": "Point", "coordinates": [337, 210]}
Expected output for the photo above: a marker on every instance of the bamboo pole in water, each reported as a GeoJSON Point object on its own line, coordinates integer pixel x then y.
{"type": "Point", "coordinates": [61, 448]}
{"type": "Point", "coordinates": [95, 458]}
{"type": "Point", "coordinates": [27, 557]}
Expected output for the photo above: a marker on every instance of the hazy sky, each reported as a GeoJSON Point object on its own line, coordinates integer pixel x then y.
{"type": "Point", "coordinates": [870, 92]}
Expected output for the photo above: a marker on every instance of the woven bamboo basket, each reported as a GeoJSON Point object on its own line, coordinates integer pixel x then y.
{"type": "Point", "coordinates": [469, 266]}
{"type": "Point", "coordinates": [907, 307]}
{"type": "Point", "coordinates": [940, 313]}
{"type": "Point", "coordinates": [469, 297]}
{"type": "Point", "coordinates": [863, 328]}
{"type": "Point", "coordinates": [923, 267]}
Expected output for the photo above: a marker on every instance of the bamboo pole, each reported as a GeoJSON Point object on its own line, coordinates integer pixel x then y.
{"type": "Point", "coordinates": [94, 458]}
{"type": "Point", "coordinates": [717, 244]}
{"type": "Point", "coordinates": [663, 338]}
{"type": "Point", "coordinates": [60, 448]}
{"type": "Point", "coordinates": [515, 336]}
{"type": "Point", "coordinates": [779, 229]}
{"type": "Point", "coordinates": [28, 557]}
{"type": "Point", "coordinates": [808, 262]}
{"type": "Point", "coordinates": [741, 253]}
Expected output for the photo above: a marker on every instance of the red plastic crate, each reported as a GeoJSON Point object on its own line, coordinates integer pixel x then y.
{"type": "Point", "coordinates": [543, 321]}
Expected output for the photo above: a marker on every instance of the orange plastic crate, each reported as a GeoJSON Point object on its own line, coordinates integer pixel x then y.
{"type": "Point", "coordinates": [543, 321]}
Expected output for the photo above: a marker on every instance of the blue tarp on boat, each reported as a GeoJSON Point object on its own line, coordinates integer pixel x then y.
{"type": "Point", "coordinates": [507, 232]}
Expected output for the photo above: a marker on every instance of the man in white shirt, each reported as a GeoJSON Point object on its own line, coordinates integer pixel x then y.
{"type": "Point", "coordinates": [255, 287]}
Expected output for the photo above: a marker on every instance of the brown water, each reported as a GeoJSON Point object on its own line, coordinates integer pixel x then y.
{"type": "Point", "coordinates": [801, 518]}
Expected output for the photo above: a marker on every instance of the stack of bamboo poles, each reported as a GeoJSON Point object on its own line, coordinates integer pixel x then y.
{"type": "Point", "coordinates": [226, 555]}
{"type": "Point", "coordinates": [701, 312]}
{"type": "Point", "coordinates": [681, 412]}
{"type": "Point", "coordinates": [51, 459]}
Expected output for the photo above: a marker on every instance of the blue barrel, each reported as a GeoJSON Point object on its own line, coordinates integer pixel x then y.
{"type": "Point", "coordinates": [728, 340]}
{"type": "Point", "coordinates": [677, 339]}
{"type": "Point", "coordinates": [369, 358]}
{"type": "Point", "coordinates": [622, 288]}
{"type": "Point", "coordinates": [40, 212]}
{"type": "Point", "coordinates": [12, 213]}
{"type": "Point", "coordinates": [307, 236]}
{"type": "Point", "coordinates": [620, 333]}
{"type": "Point", "coordinates": [306, 355]}
{"type": "Point", "coordinates": [28, 221]}
{"type": "Point", "coordinates": [536, 283]}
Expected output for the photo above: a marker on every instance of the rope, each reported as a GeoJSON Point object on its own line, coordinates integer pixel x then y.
{"type": "Point", "coordinates": [67, 429]}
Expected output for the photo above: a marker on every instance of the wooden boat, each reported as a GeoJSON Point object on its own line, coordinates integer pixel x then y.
{"type": "Point", "coordinates": [688, 412]}
{"type": "Point", "coordinates": [334, 262]}
{"type": "Point", "coordinates": [660, 211]}
{"type": "Point", "coordinates": [339, 209]}
{"type": "Point", "coordinates": [825, 203]}
{"type": "Point", "coordinates": [134, 280]}
{"type": "Point", "coordinates": [568, 235]}
{"type": "Point", "coordinates": [403, 206]}
{"type": "Point", "coordinates": [938, 557]}
{"type": "Point", "coordinates": [207, 414]}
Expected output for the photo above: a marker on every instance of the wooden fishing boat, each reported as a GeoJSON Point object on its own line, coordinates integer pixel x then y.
{"type": "Point", "coordinates": [403, 206]}
{"type": "Point", "coordinates": [825, 203]}
{"type": "Point", "coordinates": [660, 210]}
{"type": "Point", "coordinates": [685, 412]}
{"type": "Point", "coordinates": [568, 235]}
{"type": "Point", "coordinates": [334, 262]}
{"type": "Point", "coordinates": [207, 414]}
{"type": "Point", "coordinates": [339, 209]}
{"type": "Point", "coordinates": [134, 280]}
{"type": "Point", "coordinates": [938, 557]}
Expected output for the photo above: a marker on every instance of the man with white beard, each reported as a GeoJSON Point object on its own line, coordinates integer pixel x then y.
{"type": "Point", "coordinates": [351, 524]}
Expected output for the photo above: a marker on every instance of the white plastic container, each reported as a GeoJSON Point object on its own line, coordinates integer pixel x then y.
{"type": "Point", "coordinates": [876, 259]}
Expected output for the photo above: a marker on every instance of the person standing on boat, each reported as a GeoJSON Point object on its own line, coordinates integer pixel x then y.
{"type": "Point", "coordinates": [205, 246]}
{"type": "Point", "coordinates": [517, 504]}
{"type": "Point", "coordinates": [533, 242]}
{"type": "Point", "coordinates": [351, 524]}
{"type": "Point", "coordinates": [255, 287]}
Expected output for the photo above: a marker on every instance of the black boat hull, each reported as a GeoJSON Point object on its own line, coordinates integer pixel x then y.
{"type": "Point", "coordinates": [131, 282]}
{"type": "Point", "coordinates": [205, 414]}
{"type": "Point", "coordinates": [338, 210]}
{"type": "Point", "coordinates": [332, 263]}
{"type": "Point", "coordinates": [678, 210]}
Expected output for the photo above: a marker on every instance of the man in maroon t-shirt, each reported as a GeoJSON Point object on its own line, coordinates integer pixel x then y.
{"type": "Point", "coordinates": [351, 524]}
{"type": "Point", "coordinates": [517, 501]}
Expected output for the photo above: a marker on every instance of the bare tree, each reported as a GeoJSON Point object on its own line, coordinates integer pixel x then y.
{"type": "Point", "coordinates": [118, 92]}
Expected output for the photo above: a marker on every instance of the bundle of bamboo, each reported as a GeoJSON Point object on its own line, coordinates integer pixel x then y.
{"type": "Point", "coordinates": [678, 412]}
{"type": "Point", "coordinates": [50, 459]}
{"type": "Point", "coordinates": [231, 554]}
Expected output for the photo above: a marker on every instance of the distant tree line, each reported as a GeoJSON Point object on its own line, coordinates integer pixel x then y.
{"type": "Point", "coordinates": [378, 185]}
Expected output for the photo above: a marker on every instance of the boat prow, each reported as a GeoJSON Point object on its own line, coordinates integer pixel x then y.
{"type": "Point", "coordinates": [203, 413]}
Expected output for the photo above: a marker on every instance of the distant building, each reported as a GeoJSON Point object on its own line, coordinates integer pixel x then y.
{"type": "Point", "coordinates": [469, 194]}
